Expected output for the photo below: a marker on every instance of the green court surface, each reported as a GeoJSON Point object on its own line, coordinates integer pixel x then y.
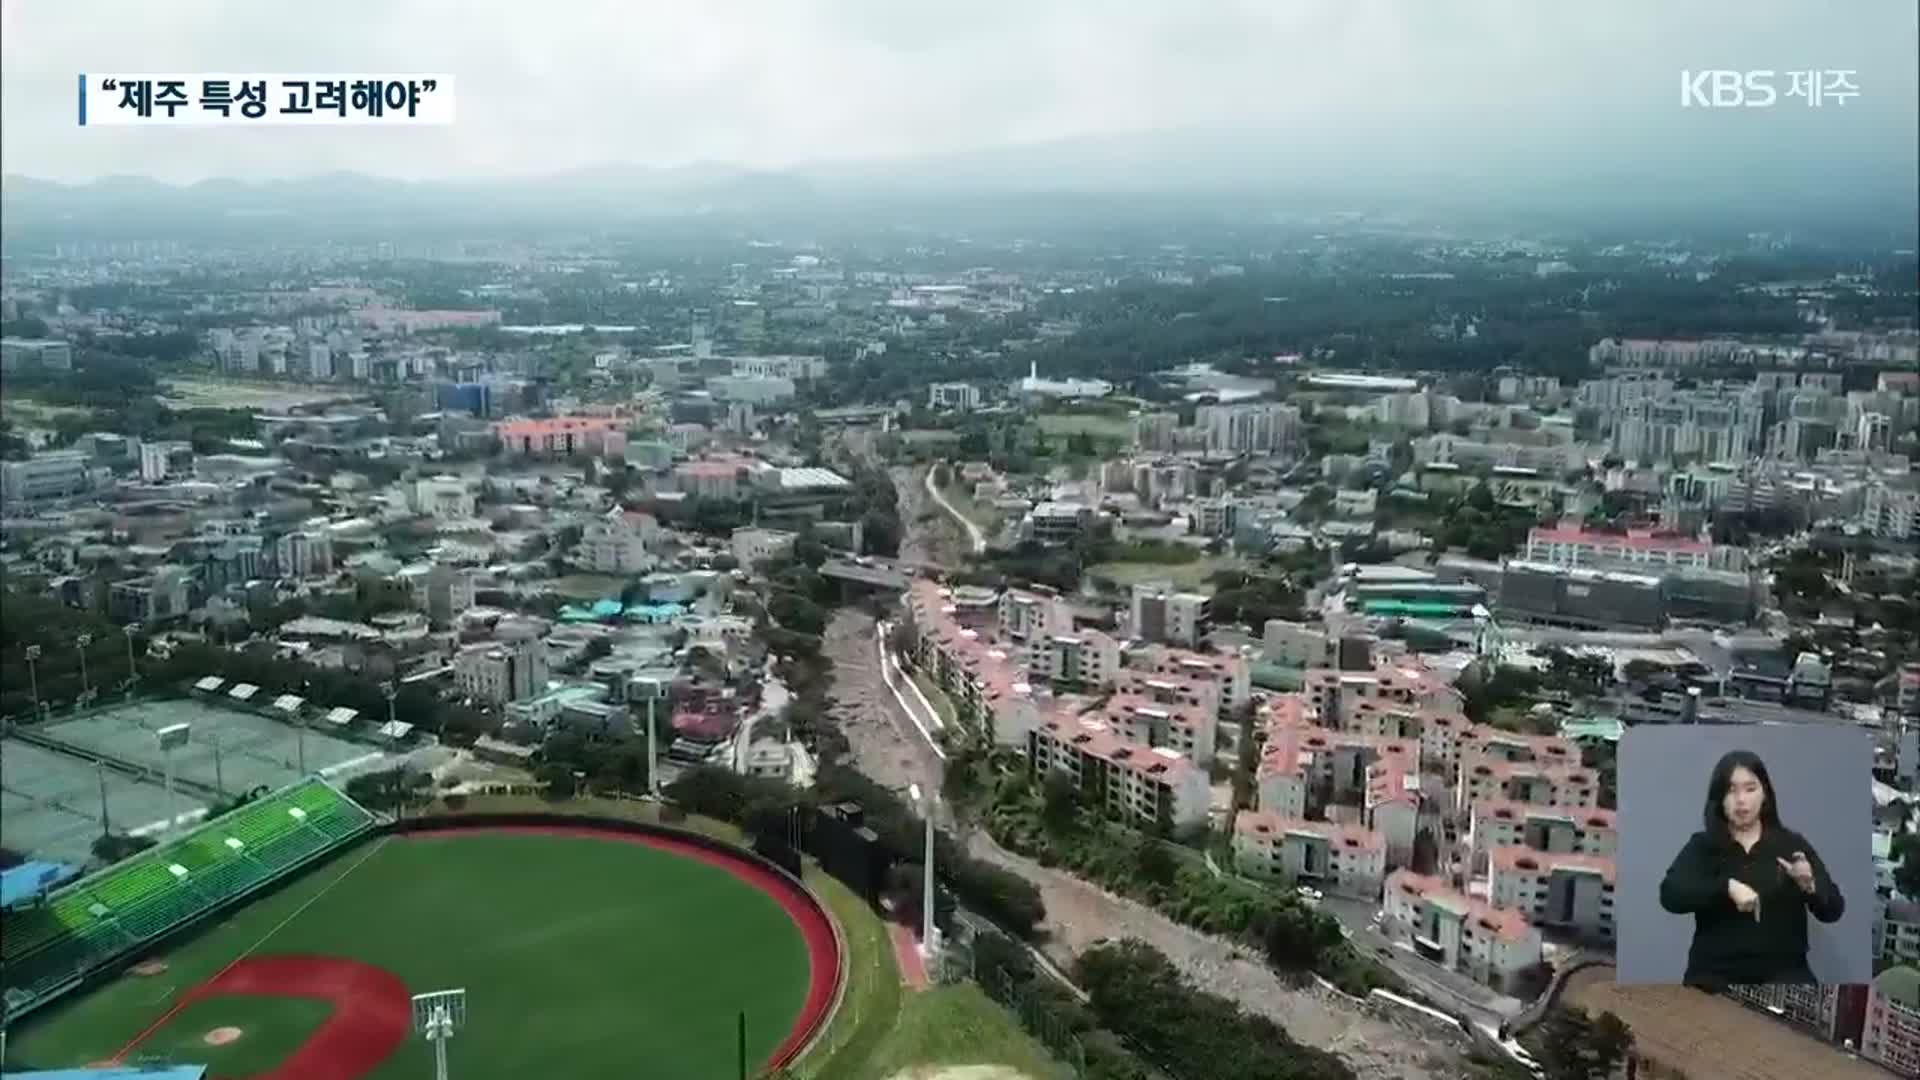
{"type": "Point", "coordinates": [581, 956]}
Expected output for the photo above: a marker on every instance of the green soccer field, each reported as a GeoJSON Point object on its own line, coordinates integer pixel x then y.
{"type": "Point", "coordinates": [581, 956]}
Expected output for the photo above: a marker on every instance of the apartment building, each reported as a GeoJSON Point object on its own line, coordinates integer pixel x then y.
{"type": "Point", "coordinates": [1302, 770]}
{"type": "Point", "coordinates": [1248, 429]}
{"type": "Point", "coordinates": [501, 672]}
{"type": "Point", "coordinates": [1403, 684]}
{"type": "Point", "coordinates": [1157, 613]}
{"type": "Point", "coordinates": [1185, 729]}
{"type": "Point", "coordinates": [444, 498]}
{"type": "Point", "coordinates": [1568, 786]}
{"type": "Point", "coordinates": [1497, 823]}
{"type": "Point", "coordinates": [1891, 1035]}
{"type": "Point", "coordinates": [985, 682]}
{"type": "Point", "coordinates": [713, 478]}
{"type": "Point", "coordinates": [304, 553]}
{"type": "Point", "coordinates": [617, 544]}
{"type": "Point", "coordinates": [1057, 522]}
{"type": "Point", "coordinates": [1483, 742]}
{"type": "Point", "coordinates": [1714, 425]}
{"type": "Point", "coordinates": [1295, 644]}
{"type": "Point", "coordinates": [55, 474]}
{"type": "Point", "coordinates": [964, 397]}
{"type": "Point", "coordinates": [1152, 788]}
{"type": "Point", "coordinates": [1554, 889]}
{"type": "Point", "coordinates": [1459, 932]}
{"type": "Point", "coordinates": [46, 354]}
{"type": "Point", "coordinates": [749, 546]}
{"type": "Point", "coordinates": [1084, 658]}
{"type": "Point", "coordinates": [1173, 689]}
{"type": "Point", "coordinates": [1230, 672]}
{"type": "Point", "coordinates": [1025, 615]}
{"type": "Point", "coordinates": [1344, 860]}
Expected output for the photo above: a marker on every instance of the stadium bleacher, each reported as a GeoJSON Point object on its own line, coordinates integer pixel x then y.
{"type": "Point", "coordinates": [97, 918]}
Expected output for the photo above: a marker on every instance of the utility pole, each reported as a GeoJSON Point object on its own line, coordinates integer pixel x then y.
{"type": "Point", "coordinates": [33, 678]}
{"type": "Point", "coordinates": [86, 686]}
{"type": "Point", "coordinates": [133, 671]}
{"type": "Point", "coordinates": [100, 767]}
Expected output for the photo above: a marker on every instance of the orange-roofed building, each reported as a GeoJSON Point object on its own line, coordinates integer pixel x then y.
{"type": "Point", "coordinates": [563, 436]}
{"type": "Point", "coordinates": [1457, 931]}
{"type": "Point", "coordinates": [1346, 860]}
{"type": "Point", "coordinates": [1502, 823]}
{"type": "Point", "coordinates": [1152, 788]}
{"type": "Point", "coordinates": [1559, 889]}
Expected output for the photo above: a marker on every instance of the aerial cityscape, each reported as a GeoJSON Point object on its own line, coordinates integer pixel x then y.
{"type": "Point", "coordinates": [1015, 551]}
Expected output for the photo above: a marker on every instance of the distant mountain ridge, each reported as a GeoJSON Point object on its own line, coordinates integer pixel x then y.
{"type": "Point", "coordinates": [1732, 170]}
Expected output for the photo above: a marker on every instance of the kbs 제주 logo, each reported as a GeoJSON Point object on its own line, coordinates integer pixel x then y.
{"type": "Point", "coordinates": [1760, 88]}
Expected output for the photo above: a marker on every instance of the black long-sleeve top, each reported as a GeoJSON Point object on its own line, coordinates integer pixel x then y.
{"type": "Point", "coordinates": [1730, 946]}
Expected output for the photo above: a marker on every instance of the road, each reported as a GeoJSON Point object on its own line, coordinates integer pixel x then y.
{"type": "Point", "coordinates": [974, 536]}
{"type": "Point", "coordinates": [1444, 990]}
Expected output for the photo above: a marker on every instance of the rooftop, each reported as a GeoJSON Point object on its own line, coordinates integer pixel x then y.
{"type": "Point", "coordinates": [1518, 858]}
{"type": "Point", "coordinates": [1496, 922]}
{"type": "Point", "coordinates": [1267, 823]}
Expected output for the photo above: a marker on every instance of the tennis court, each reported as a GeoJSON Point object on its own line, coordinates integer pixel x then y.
{"type": "Point", "coordinates": [50, 802]}
{"type": "Point", "coordinates": [227, 749]}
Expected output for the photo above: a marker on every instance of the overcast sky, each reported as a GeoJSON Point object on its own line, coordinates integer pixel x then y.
{"type": "Point", "coordinates": [551, 85]}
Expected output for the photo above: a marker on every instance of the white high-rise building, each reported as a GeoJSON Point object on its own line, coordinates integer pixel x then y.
{"type": "Point", "coordinates": [962, 396]}
{"type": "Point", "coordinates": [1713, 426]}
{"type": "Point", "coordinates": [304, 554]}
{"type": "Point", "coordinates": [319, 362]}
{"type": "Point", "coordinates": [1248, 429]}
{"type": "Point", "coordinates": [1872, 431]}
{"type": "Point", "coordinates": [1157, 613]}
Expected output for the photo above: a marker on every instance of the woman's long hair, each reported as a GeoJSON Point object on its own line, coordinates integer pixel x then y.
{"type": "Point", "coordinates": [1715, 818]}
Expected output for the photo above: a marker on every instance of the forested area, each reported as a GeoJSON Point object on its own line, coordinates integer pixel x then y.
{"type": "Point", "coordinates": [1356, 315]}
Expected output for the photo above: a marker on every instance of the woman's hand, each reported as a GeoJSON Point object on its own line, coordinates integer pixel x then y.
{"type": "Point", "coordinates": [1743, 896]}
{"type": "Point", "coordinates": [1801, 871]}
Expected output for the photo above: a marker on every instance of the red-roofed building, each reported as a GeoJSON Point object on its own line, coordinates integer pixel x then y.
{"type": "Point", "coordinates": [991, 691]}
{"type": "Point", "coordinates": [563, 436]}
{"type": "Point", "coordinates": [1567, 786]}
{"type": "Point", "coordinates": [1231, 673]}
{"type": "Point", "coordinates": [713, 478]}
{"type": "Point", "coordinates": [1457, 931]}
{"type": "Point", "coordinates": [1398, 691]}
{"type": "Point", "coordinates": [1500, 823]}
{"type": "Point", "coordinates": [1560, 889]}
{"type": "Point", "coordinates": [1343, 859]}
{"type": "Point", "coordinates": [1182, 727]}
{"type": "Point", "coordinates": [1574, 546]}
{"type": "Point", "coordinates": [1150, 787]}
{"type": "Point", "coordinates": [1301, 769]}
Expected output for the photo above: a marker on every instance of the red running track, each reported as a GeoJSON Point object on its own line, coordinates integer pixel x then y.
{"type": "Point", "coordinates": [372, 1009]}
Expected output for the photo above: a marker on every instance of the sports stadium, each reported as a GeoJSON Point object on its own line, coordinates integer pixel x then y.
{"type": "Point", "coordinates": [288, 938]}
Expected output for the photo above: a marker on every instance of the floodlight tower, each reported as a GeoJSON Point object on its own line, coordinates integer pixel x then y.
{"type": "Point", "coordinates": [171, 737]}
{"type": "Point", "coordinates": [929, 934]}
{"type": "Point", "coordinates": [133, 670]}
{"type": "Point", "coordinates": [33, 677]}
{"type": "Point", "coordinates": [655, 691]}
{"type": "Point", "coordinates": [388, 690]}
{"type": "Point", "coordinates": [437, 1017]}
{"type": "Point", "coordinates": [86, 686]}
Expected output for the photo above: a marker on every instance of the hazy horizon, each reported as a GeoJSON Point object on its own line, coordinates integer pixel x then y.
{"type": "Point", "coordinates": [1244, 90]}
